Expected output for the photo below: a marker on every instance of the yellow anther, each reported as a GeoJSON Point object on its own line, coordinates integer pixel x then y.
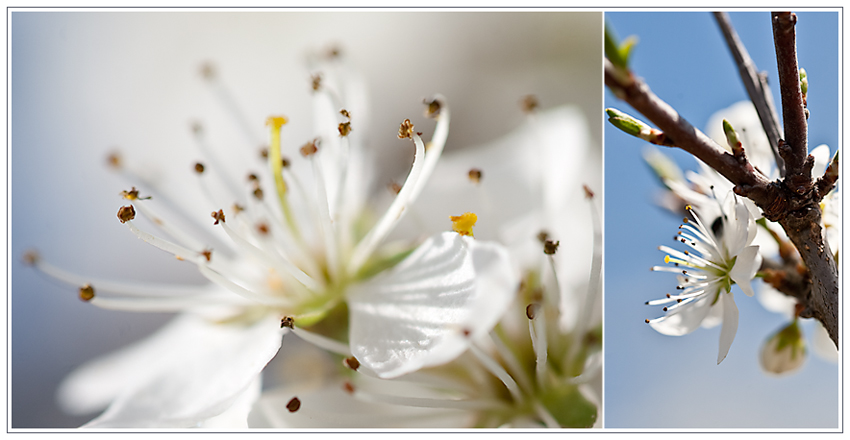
{"type": "Point", "coordinates": [462, 224]}
{"type": "Point", "coordinates": [667, 259]}
{"type": "Point", "coordinates": [276, 121]}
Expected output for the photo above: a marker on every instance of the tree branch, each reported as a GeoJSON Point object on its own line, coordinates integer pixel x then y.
{"type": "Point", "coordinates": [756, 85]}
{"type": "Point", "coordinates": [793, 201]}
{"type": "Point", "coordinates": [796, 150]}
{"type": "Point", "coordinates": [739, 171]}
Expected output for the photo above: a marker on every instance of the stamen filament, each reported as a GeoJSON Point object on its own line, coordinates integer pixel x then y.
{"type": "Point", "coordinates": [167, 227]}
{"type": "Point", "coordinates": [438, 142]}
{"type": "Point", "coordinates": [159, 304]}
{"type": "Point", "coordinates": [119, 288]}
{"type": "Point", "coordinates": [425, 402]}
{"type": "Point", "coordinates": [539, 343]}
{"type": "Point", "coordinates": [222, 281]}
{"type": "Point", "coordinates": [395, 212]}
{"type": "Point", "coordinates": [545, 416]}
{"type": "Point", "coordinates": [323, 342]}
{"type": "Point", "coordinates": [213, 162]}
{"type": "Point", "coordinates": [167, 246]}
{"type": "Point", "coordinates": [496, 370]}
{"type": "Point", "coordinates": [594, 286]}
{"type": "Point", "coordinates": [325, 221]}
{"type": "Point", "coordinates": [279, 263]}
{"type": "Point", "coordinates": [508, 356]}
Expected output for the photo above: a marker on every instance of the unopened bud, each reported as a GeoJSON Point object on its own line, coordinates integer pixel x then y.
{"type": "Point", "coordinates": [785, 351]}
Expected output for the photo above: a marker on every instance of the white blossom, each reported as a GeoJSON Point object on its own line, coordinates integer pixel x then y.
{"type": "Point", "coordinates": [724, 256]}
{"type": "Point", "coordinates": [293, 251]}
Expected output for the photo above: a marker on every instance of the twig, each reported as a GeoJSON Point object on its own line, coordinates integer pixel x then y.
{"type": "Point", "coordinates": [756, 85]}
{"type": "Point", "coordinates": [685, 136]}
{"type": "Point", "coordinates": [795, 151]}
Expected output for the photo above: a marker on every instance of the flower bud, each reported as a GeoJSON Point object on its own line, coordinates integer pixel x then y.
{"type": "Point", "coordinates": [785, 351]}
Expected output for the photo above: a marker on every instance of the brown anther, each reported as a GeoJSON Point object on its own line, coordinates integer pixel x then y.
{"type": "Point", "coordinates": [207, 253]}
{"type": "Point", "coordinates": [310, 147]}
{"type": "Point", "coordinates": [31, 258]}
{"type": "Point", "coordinates": [550, 247]}
{"type": "Point", "coordinates": [86, 292]}
{"type": "Point", "coordinates": [344, 128]}
{"type": "Point", "coordinates": [466, 332]}
{"type": "Point", "coordinates": [218, 216]}
{"type": "Point", "coordinates": [348, 387]}
{"type": "Point", "coordinates": [262, 228]}
{"type": "Point", "coordinates": [405, 131]}
{"type": "Point", "coordinates": [531, 310]}
{"type": "Point", "coordinates": [293, 405]}
{"type": "Point", "coordinates": [475, 175]}
{"type": "Point", "coordinates": [351, 363]}
{"type": "Point", "coordinates": [316, 80]}
{"type": "Point", "coordinates": [287, 322]}
{"type": "Point", "coordinates": [432, 108]}
{"type": "Point", "coordinates": [126, 213]}
{"type": "Point", "coordinates": [284, 162]}
{"type": "Point", "coordinates": [114, 159]}
{"type": "Point", "coordinates": [237, 208]}
{"type": "Point", "coordinates": [208, 70]}
{"type": "Point", "coordinates": [199, 168]}
{"type": "Point", "coordinates": [647, 321]}
{"type": "Point", "coordinates": [253, 178]}
{"type": "Point", "coordinates": [587, 192]}
{"type": "Point", "coordinates": [543, 236]}
{"type": "Point", "coordinates": [345, 113]}
{"type": "Point", "coordinates": [529, 103]}
{"type": "Point", "coordinates": [258, 193]}
{"type": "Point", "coordinates": [264, 153]}
{"type": "Point", "coordinates": [394, 187]}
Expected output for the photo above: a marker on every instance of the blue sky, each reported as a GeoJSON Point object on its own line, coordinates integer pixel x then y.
{"type": "Point", "coordinates": [657, 381]}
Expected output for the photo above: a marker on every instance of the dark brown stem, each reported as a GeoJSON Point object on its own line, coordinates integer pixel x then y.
{"type": "Point", "coordinates": [756, 85]}
{"type": "Point", "coordinates": [795, 150]}
{"type": "Point", "coordinates": [821, 302]}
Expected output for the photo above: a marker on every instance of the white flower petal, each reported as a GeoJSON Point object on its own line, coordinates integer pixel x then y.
{"type": "Point", "coordinates": [685, 321]}
{"type": "Point", "coordinates": [95, 384]}
{"type": "Point", "coordinates": [416, 315]}
{"type": "Point", "coordinates": [822, 158]}
{"type": "Point", "coordinates": [730, 325]}
{"type": "Point", "coordinates": [236, 417]}
{"type": "Point", "coordinates": [184, 391]}
{"type": "Point", "coordinates": [745, 269]}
